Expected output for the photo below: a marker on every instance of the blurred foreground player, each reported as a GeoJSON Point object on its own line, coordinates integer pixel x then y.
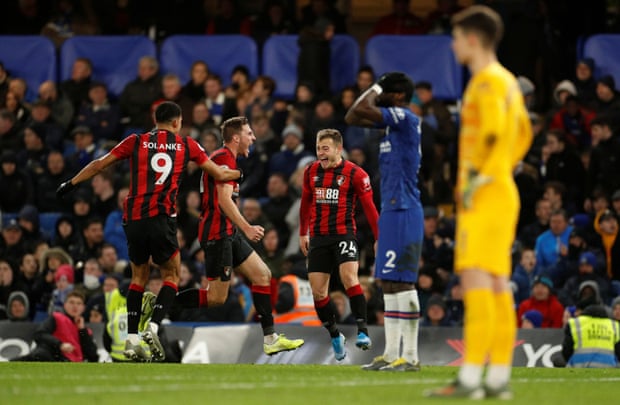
{"type": "Point", "coordinates": [495, 135]}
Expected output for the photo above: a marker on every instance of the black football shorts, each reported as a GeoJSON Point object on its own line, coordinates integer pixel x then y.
{"type": "Point", "coordinates": [223, 255]}
{"type": "Point", "coordinates": [155, 237]}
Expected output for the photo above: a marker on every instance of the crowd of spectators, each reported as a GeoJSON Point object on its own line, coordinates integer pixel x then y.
{"type": "Point", "coordinates": [566, 254]}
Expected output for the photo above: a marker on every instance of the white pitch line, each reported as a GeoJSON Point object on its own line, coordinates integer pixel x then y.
{"type": "Point", "coordinates": [136, 388]}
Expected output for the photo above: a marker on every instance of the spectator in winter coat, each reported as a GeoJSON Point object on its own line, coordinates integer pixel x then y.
{"type": "Point", "coordinates": [543, 300]}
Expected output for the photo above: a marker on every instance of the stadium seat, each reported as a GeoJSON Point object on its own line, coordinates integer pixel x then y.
{"type": "Point", "coordinates": [280, 54]}
{"type": "Point", "coordinates": [424, 58]}
{"type": "Point", "coordinates": [604, 50]}
{"type": "Point", "coordinates": [32, 58]}
{"type": "Point", "coordinates": [221, 52]}
{"type": "Point", "coordinates": [47, 222]}
{"type": "Point", "coordinates": [115, 58]}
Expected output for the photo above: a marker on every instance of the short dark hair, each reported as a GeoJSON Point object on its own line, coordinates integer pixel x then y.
{"type": "Point", "coordinates": [166, 112]}
{"type": "Point", "coordinates": [424, 86]}
{"type": "Point", "coordinates": [76, 294]}
{"type": "Point", "coordinates": [400, 83]}
{"type": "Point", "coordinates": [232, 126]}
{"type": "Point", "coordinates": [366, 69]}
{"type": "Point", "coordinates": [600, 120]}
{"type": "Point", "coordinates": [482, 20]}
{"type": "Point", "coordinates": [330, 133]}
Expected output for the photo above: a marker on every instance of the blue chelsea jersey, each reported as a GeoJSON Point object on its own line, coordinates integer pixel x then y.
{"type": "Point", "coordinates": [400, 153]}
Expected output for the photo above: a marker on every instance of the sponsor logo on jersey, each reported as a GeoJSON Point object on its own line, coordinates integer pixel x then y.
{"type": "Point", "coordinates": [325, 195]}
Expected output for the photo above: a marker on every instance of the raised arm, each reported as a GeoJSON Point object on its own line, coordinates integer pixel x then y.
{"type": "Point", "coordinates": [364, 111]}
{"type": "Point", "coordinates": [89, 171]}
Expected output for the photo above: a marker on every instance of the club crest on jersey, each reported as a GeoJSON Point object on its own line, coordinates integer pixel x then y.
{"type": "Point", "coordinates": [340, 180]}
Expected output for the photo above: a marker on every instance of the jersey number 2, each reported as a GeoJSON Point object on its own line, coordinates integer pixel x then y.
{"type": "Point", "coordinates": [161, 164]}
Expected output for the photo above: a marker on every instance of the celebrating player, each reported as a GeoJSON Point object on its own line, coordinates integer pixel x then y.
{"type": "Point", "coordinates": [225, 248]}
{"type": "Point", "coordinates": [401, 220]}
{"type": "Point", "coordinates": [157, 161]}
{"type": "Point", "coordinates": [332, 187]}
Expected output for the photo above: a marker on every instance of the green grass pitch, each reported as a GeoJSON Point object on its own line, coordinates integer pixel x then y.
{"type": "Point", "coordinates": [185, 384]}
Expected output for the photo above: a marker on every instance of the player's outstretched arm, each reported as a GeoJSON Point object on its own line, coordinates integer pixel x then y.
{"type": "Point", "coordinates": [89, 171]}
{"type": "Point", "coordinates": [364, 111]}
{"type": "Point", "coordinates": [220, 173]}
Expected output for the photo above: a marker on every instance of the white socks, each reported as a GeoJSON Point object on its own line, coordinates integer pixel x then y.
{"type": "Point", "coordinates": [154, 327]}
{"type": "Point", "coordinates": [133, 338]}
{"type": "Point", "coordinates": [391, 327]}
{"type": "Point", "coordinates": [497, 376]}
{"type": "Point", "coordinates": [470, 375]}
{"type": "Point", "coordinates": [270, 339]}
{"type": "Point", "coordinates": [409, 308]}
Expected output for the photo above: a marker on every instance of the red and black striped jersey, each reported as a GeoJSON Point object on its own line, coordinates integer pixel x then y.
{"type": "Point", "coordinates": [157, 161]}
{"type": "Point", "coordinates": [330, 195]}
{"type": "Point", "coordinates": [214, 224]}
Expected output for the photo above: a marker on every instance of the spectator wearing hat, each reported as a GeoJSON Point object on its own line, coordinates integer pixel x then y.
{"type": "Point", "coordinates": [585, 83]}
{"type": "Point", "coordinates": [82, 209]}
{"type": "Point", "coordinates": [33, 158]}
{"type": "Point", "coordinates": [66, 235]}
{"type": "Point", "coordinates": [587, 272]}
{"type": "Point", "coordinates": [63, 336]}
{"type": "Point", "coordinates": [9, 282]}
{"type": "Point", "coordinates": [553, 244]}
{"type": "Point", "coordinates": [100, 114]}
{"type": "Point", "coordinates": [12, 245]}
{"type": "Point", "coordinates": [606, 225]}
{"type": "Point", "coordinates": [17, 307]}
{"type": "Point", "coordinates": [531, 319]}
{"type": "Point", "coordinates": [562, 90]}
{"type": "Point", "coordinates": [604, 158]}
{"type": "Point", "coordinates": [291, 151]}
{"type": "Point", "coordinates": [544, 301]}
{"type": "Point", "coordinates": [15, 185]}
{"type": "Point", "coordinates": [64, 277]}
{"type": "Point", "coordinates": [85, 149]}
{"type": "Point", "coordinates": [10, 137]}
{"type": "Point", "coordinates": [28, 219]}
{"type": "Point", "coordinates": [436, 312]}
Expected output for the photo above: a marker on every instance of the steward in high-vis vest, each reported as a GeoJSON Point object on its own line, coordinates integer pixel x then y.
{"type": "Point", "coordinates": [115, 332]}
{"type": "Point", "coordinates": [295, 303]}
{"type": "Point", "coordinates": [592, 340]}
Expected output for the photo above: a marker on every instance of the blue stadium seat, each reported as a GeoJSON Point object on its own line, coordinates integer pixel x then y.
{"type": "Point", "coordinates": [424, 58]}
{"type": "Point", "coordinates": [32, 58]}
{"type": "Point", "coordinates": [280, 54]}
{"type": "Point", "coordinates": [605, 50]}
{"type": "Point", "coordinates": [47, 222]}
{"type": "Point", "coordinates": [115, 58]}
{"type": "Point", "coordinates": [221, 52]}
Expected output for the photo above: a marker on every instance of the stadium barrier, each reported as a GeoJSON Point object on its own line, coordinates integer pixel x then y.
{"type": "Point", "coordinates": [231, 344]}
